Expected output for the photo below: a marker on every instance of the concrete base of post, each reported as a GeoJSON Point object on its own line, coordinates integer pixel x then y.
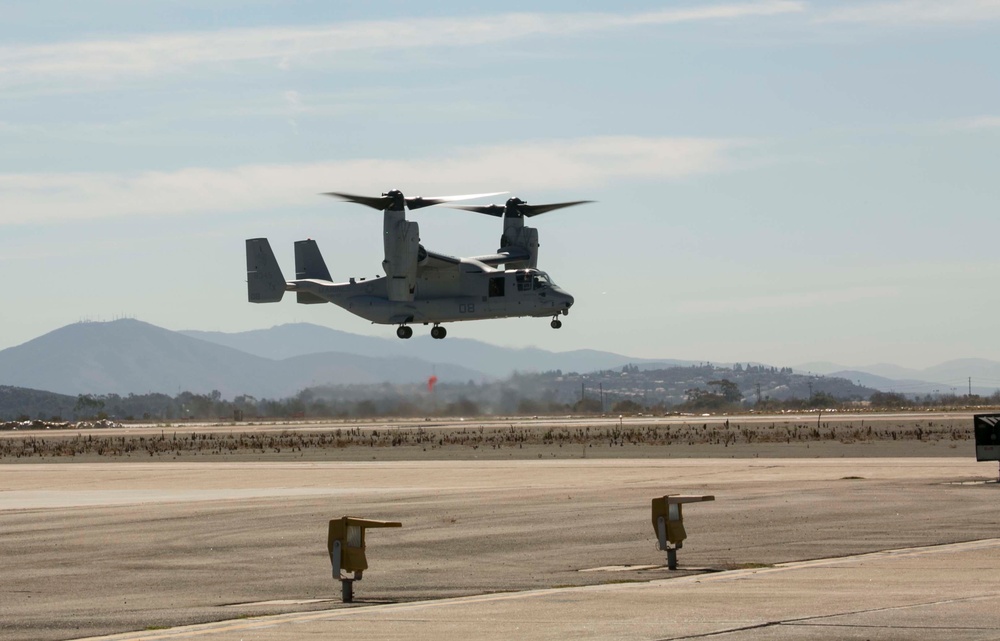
{"type": "Point", "coordinates": [671, 558]}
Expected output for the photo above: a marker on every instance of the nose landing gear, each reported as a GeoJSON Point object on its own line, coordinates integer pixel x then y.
{"type": "Point", "coordinates": [404, 332]}
{"type": "Point", "coordinates": [438, 332]}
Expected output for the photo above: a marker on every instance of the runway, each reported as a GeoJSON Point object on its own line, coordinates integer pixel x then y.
{"type": "Point", "coordinates": [791, 548]}
{"type": "Point", "coordinates": [882, 595]}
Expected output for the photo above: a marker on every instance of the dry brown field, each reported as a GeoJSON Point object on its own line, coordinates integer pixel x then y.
{"type": "Point", "coordinates": [511, 438]}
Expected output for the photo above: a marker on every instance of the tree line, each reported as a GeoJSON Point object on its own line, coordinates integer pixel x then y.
{"type": "Point", "coordinates": [520, 395]}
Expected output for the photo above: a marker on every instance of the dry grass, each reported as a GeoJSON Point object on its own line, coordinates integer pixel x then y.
{"type": "Point", "coordinates": [518, 440]}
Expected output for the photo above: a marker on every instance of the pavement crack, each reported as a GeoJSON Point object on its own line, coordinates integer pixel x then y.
{"type": "Point", "coordinates": [814, 621]}
{"type": "Point", "coordinates": [715, 633]}
{"type": "Point", "coordinates": [894, 627]}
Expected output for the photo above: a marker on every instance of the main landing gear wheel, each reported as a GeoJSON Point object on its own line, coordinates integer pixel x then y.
{"type": "Point", "coordinates": [404, 332]}
{"type": "Point", "coordinates": [556, 323]}
{"type": "Point", "coordinates": [438, 332]}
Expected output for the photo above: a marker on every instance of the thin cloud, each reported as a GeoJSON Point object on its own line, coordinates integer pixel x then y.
{"type": "Point", "coordinates": [283, 48]}
{"type": "Point", "coordinates": [578, 163]}
{"type": "Point", "coordinates": [917, 11]}
{"type": "Point", "coordinates": [976, 124]}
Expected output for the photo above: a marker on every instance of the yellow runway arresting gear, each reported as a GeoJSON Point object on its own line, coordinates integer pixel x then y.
{"type": "Point", "coordinates": [668, 523]}
{"type": "Point", "coordinates": [346, 543]}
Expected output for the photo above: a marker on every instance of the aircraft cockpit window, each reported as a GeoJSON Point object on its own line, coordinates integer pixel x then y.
{"type": "Point", "coordinates": [541, 281]}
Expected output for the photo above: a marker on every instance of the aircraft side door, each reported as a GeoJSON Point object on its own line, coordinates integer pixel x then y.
{"type": "Point", "coordinates": [519, 297]}
{"type": "Point", "coordinates": [497, 290]}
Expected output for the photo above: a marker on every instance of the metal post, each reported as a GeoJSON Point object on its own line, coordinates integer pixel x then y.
{"type": "Point", "coordinates": [346, 585]}
{"type": "Point", "coordinates": [335, 560]}
{"type": "Point", "coordinates": [661, 531]}
{"type": "Point", "coordinates": [347, 590]}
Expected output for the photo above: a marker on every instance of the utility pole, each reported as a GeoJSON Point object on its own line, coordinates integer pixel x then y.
{"type": "Point", "coordinates": [583, 391]}
{"type": "Point", "coordinates": [810, 389]}
{"type": "Point", "coordinates": [970, 386]}
{"type": "Point", "coordinates": [758, 393]}
{"type": "Point", "coordinates": [602, 396]}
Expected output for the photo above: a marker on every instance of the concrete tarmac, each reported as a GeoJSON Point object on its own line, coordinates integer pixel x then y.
{"type": "Point", "coordinates": [939, 592]}
{"type": "Point", "coordinates": [791, 548]}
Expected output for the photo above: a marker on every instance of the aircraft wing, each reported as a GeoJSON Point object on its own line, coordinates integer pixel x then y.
{"type": "Point", "coordinates": [440, 261]}
{"type": "Point", "coordinates": [505, 255]}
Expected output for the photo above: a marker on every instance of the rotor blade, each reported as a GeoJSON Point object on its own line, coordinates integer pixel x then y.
{"type": "Point", "coordinates": [534, 210]}
{"type": "Point", "coordinates": [420, 201]}
{"type": "Point", "coordinates": [375, 202]}
{"type": "Point", "coordinates": [489, 210]}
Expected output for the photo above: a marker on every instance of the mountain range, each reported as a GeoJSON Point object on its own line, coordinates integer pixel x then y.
{"type": "Point", "coordinates": [299, 339]}
{"type": "Point", "coordinates": [950, 377]}
{"type": "Point", "coordinates": [128, 356]}
{"type": "Point", "coordinates": [132, 357]}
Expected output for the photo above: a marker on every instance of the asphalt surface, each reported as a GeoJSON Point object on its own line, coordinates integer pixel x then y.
{"type": "Point", "coordinates": [138, 549]}
{"type": "Point", "coordinates": [884, 595]}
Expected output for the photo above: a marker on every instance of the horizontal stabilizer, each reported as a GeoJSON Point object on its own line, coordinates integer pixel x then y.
{"type": "Point", "coordinates": [307, 298]}
{"type": "Point", "coordinates": [265, 283]}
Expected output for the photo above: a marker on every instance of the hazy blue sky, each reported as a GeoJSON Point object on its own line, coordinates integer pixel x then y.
{"type": "Point", "coordinates": [778, 181]}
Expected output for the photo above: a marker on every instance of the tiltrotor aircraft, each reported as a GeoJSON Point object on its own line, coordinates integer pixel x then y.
{"type": "Point", "coordinates": [421, 286]}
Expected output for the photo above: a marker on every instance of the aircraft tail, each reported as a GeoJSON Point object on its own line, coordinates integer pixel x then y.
{"type": "Point", "coordinates": [309, 263]}
{"type": "Point", "coordinates": [265, 283]}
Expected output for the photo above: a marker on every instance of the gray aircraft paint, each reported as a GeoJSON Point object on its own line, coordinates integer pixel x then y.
{"type": "Point", "coordinates": [449, 290]}
{"type": "Point", "coordinates": [421, 286]}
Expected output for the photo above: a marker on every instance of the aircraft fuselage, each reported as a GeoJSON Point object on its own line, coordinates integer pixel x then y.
{"type": "Point", "coordinates": [472, 292]}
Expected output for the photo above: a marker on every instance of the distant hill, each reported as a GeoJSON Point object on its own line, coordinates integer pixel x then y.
{"type": "Point", "coordinates": [297, 339]}
{"type": "Point", "coordinates": [985, 374]}
{"type": "Point", "coordinates": [300, 339]}
{"type": "Point", "coordinates": [127, 356]}
{"type": "Point", "coordinates": [882, 370]}
{"type": "Point", "coordinates": [883, 384]}
{"type": "Point", "coordinates": [18, 401]}
{"type": "Point", "coordinates": [951, 377]}
{"type": "Point", "coordinates": [132, 357]}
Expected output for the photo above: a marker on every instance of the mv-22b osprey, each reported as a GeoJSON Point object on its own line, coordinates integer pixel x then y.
{"type": "Point", "coordinates": [421, 286]}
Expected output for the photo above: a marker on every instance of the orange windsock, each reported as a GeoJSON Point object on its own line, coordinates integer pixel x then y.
{"type": "Point", "coordinates": [430, 383]}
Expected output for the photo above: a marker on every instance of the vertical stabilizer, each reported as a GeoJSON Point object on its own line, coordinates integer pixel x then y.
{"type": "Point", "coordinates": [265, 284]}
{"type": "Point", "coordinates": [309, 262]}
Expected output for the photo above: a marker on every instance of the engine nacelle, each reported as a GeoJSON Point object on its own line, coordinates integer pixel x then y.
{"type": "Point", "coordinates": [525, 238]}
{"type": "Point", "coordinates": [402, 247]}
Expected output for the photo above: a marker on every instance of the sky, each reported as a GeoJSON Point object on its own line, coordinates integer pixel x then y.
{"type": "Point", "coordinates": [777, 181]}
